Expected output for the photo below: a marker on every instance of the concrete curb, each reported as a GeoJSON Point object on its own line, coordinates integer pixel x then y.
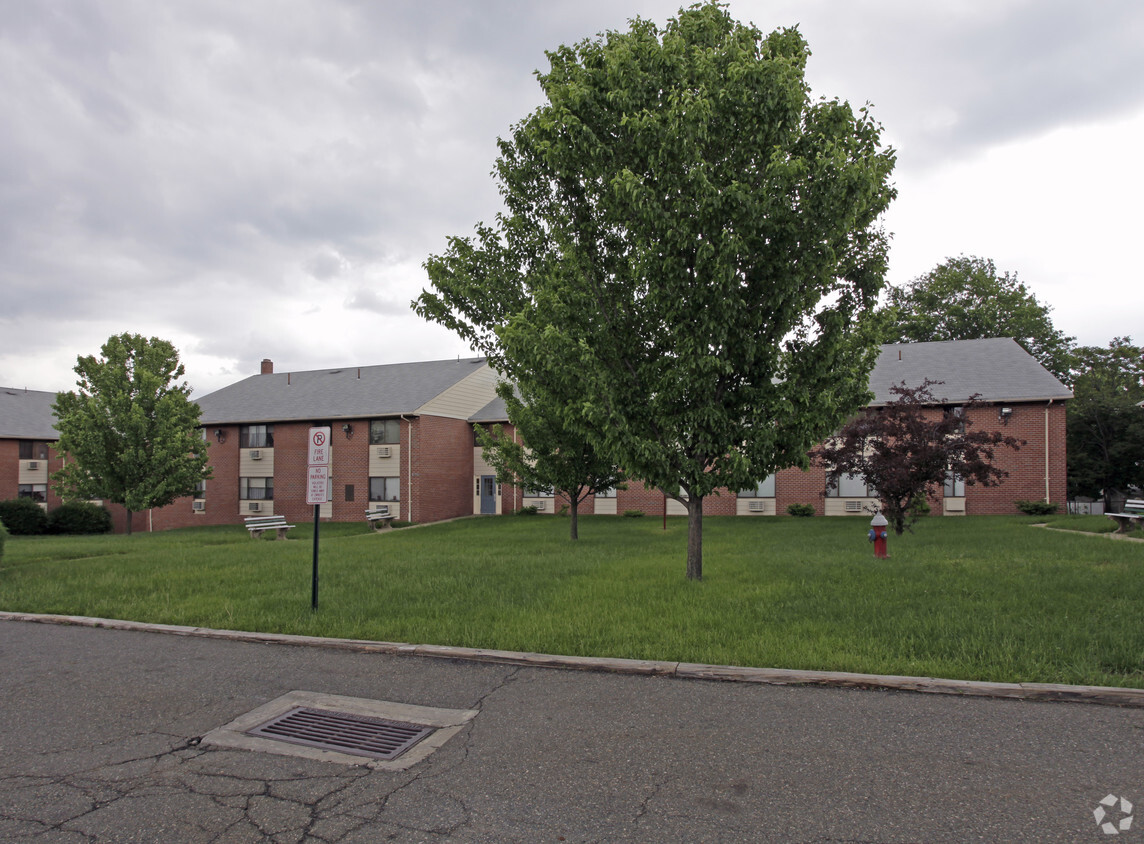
{"type": "Point", "coordinates": [1103, 695]}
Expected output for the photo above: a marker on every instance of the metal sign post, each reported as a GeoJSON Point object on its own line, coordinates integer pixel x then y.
{"type": "Point", "coordinates": [317, 490]}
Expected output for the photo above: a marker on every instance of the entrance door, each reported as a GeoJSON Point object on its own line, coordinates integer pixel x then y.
{"type": "Point", "coordinates": [488, 495]}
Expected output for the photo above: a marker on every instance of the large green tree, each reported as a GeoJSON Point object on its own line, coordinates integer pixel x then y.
{"type": "Point", "coordinates": [688, 254]}
{"type": "Point", "coordinates": [1106, 420]}
{"type": "Point", "coordinates": [965, 298]}
{"type": "Point", "coordinates": [129, 434]}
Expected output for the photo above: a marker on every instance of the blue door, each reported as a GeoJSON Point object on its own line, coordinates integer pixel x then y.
{"type": "Point", "coordinates": [488, 495]}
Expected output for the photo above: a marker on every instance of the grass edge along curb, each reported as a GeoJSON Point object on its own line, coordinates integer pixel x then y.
{"type": "Point", "coordinates": [1053, 692]}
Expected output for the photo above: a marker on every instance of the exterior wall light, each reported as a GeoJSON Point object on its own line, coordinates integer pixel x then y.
{"type": "Point", "coordinates": [1005, 413]}
{"type": "Point", "coordinates": [348, 430]}
{"type": "Point", "coordinates": [220, 435]}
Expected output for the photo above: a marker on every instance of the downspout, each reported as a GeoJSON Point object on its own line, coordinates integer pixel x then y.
{"type": "Point", "coordinates": [1047, 406]}
{"type": "Point", "coordinates": [409, 468]}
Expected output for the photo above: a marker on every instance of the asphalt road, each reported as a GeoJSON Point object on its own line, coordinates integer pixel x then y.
{"type": "Point", "coordinates": [100, 742]}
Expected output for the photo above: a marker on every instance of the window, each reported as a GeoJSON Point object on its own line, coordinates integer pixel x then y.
{"type": "Point", "coordinates": [349, 492]}
{"type": "Point", "coordinates": [201, 489]}
{"type": "Point", "coordinates": [849, 486]}
{"type": "Point", "coordinates": [36, 492]}
{"type": "Point", "coordinates": [957, 413]}
{"type": "Point", "coordinates": [33, 450]}
{"type": "Point", "coordinates": [385, 432]}
{"type": "Point", "coordinates": [764, 489]}
{"type": "Point", "coordinates": [954, 486]}
{"type": "Point", "coordinates": [256, 489]}
{"type": "Point", "coordinates": [256, 436]}
{"type": "Point", "coordinates": [610, 492]}
{"type": "Point", "coordinates": [538, 492]}
{"type": "Point", "coordinates": [384, 489]}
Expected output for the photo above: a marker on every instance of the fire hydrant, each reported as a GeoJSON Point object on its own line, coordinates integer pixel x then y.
{"type": "Point", "coordinates": [877, 535]}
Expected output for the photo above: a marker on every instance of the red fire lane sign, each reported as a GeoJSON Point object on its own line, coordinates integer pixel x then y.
{"type": "Point", "coordinates": [318, 466]}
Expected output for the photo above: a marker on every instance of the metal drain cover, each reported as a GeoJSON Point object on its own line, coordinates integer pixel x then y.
{"type": "Point", "coordinates": [378, 734]}
{"type": "Point", "coordinates": [361, 735]}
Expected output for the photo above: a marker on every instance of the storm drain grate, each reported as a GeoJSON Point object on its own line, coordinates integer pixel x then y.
{"type": "Point", "coordinates": [359, 735]}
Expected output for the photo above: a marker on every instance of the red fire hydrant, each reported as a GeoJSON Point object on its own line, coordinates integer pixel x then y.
{"type": "Point", "coordinates": [877, 535]}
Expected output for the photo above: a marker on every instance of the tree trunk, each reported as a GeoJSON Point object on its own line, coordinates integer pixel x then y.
{"type": "Point", "coordinates": [575, 507]}
{"type": "Point", "coordinates": [694, 538]}
{"type": "Point", "coordinates": [128, 522]}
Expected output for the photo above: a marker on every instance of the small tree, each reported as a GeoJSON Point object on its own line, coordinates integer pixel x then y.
{"type": "Point", "coordinates": [549, 453]}
{"type": "Point", "coordinates": [129, 434]}
{"type": "Point", "coordinates": [906, 449]}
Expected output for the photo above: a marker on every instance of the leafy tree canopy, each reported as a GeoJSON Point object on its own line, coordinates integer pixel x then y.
{"type": "Point", "coordinates": [546, 452]}
{"type": "Point", "coordinates": [688, 254]}
{"type": "Point", "coordinates": [907, 448]}
{"type": "Point", "coordinates": [1106, 420]}
{"type": "Point", "coordinates": [129, 433]}
{"type": "Point", "coordinates": [964, 298]}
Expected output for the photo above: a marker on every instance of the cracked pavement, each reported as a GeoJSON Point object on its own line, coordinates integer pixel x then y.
{"type": "Point", "coordinates": [100, 729]}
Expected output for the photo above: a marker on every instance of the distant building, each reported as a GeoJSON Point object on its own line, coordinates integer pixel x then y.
{"type": "Point", "coordinates": [403, 435]}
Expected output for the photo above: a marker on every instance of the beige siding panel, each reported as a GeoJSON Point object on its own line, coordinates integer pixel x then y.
{"type": "Point", "coordinates": [265, 508]}
{"type": "Point", "coordinates": [248, 467]}
{"type": "Point", "coordinates": [743, 507]}
{"type": "Point", "coordinates": [605, 506]}
{"type": "Point", "coordinates": [953, 506]}
{"type": "Point", "coordinates": [480, 466]}
{"type": "Point", "coordinates": [675, 508]}
{"type": "Point", "coordinates": [837, 507]}
{"type": "Point", "coordinates": [464, 398]}
{"type": "Point", "coordinates": [544, 505]}
{"type": "Point", "coordinates": [28, 475]}
{"type": "Point", "coordinates": [384, 467]}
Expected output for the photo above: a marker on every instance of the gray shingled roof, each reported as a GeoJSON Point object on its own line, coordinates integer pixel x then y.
{"type": "Point", "coordinates": [348, 393]}
{"type": "Point", "coordinates": [27, 414]}
{"type": "Point", "coordinates": [998, 369]}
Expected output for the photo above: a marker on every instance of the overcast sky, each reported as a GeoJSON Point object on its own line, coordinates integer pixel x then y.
{"type": "Point", "coordinates": [264, 178]}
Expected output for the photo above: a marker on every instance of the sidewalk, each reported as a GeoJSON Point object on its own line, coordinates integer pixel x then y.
{"type": "Point", "coordinates": [102, 736]}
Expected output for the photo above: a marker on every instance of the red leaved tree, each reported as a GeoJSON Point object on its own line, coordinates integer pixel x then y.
{"type": "Point", "coordinates": [907, 449]}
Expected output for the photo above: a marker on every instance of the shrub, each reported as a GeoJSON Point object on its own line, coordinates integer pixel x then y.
{"type": "Point", "coordinates": [1037, 508]}
{"type": "Point", "coordinates": [23, 517]}
{"type": "Point", "coordinates": [3, 536]}
{"type": "Point", "coordinates": [79, 517]}
{"type": "Point", "coordinates": [530, 510]}
{"type": "Point", "coordinates": [633, 514]}
{"type": "Point", "coordinates": [920, 506]}
{"type": "Point", "coordinates": [801, 510]}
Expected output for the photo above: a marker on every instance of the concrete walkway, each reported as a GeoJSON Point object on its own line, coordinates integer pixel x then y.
{"type": "Point", "coordinates": [102, 736]}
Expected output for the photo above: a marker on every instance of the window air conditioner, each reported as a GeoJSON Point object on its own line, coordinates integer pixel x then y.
{"type": "Point", "coordinates": [853, 506]}
{"type": "Point", "coordinates": [383, 451]}
{"type": "Point", "coordinates": [33, 465]}
{"type": "Point", "coordinates": [198, 505]}
{"type": "Point", "coordinates": [253, 506]}
{"type": "Point", "coordinates": [255, 454]}
{"type": "Point", "coordinates": [757, 506]}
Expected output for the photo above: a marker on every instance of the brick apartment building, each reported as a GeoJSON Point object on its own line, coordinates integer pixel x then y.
{"type": "Point", "coordinates": [403, 435]}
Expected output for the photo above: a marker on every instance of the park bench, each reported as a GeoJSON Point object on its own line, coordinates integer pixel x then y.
{"type": "Point", "coordinates": [257, 524]}
{"type": "Point", "coordinates": [1133, 513]}
{"type": "Point", "coordinates": [379, 516]}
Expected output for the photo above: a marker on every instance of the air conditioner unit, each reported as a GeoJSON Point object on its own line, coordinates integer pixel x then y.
{"type": "Point", "coordinates": [383, 451]}
{"type": "Point", "coordinates": [198, 505]}
{"type": "Point", "coordinates": [853, 506]}
{"type": "Point", "coordinates": [255, 455]}
{"type": "Point", "coordinates": [33, 465]}
{"type": "Point", "coordinates": [757, 506]}
{"type": "Point", "coordinates": [541, 505]}
{"type": "Point", "coordinates": [254, 507]}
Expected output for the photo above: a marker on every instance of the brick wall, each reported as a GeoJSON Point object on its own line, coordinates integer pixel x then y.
{"type": "Point", "coordinates": [442, 483]}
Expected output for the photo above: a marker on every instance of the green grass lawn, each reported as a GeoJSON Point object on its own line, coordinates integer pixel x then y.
{"type": "Point", "coordinates": [988, 598]}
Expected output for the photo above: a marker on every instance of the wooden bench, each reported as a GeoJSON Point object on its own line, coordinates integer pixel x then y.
{"type": "Point", "coordinates": [257, 524]}
{"type": "Point", "coordinates": [1133, 513]}
{"type": "Point", "coordinates": [379, 516]}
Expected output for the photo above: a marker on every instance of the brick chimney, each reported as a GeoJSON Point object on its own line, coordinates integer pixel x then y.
{"type": "Point", "coordinates": [267, 366]}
